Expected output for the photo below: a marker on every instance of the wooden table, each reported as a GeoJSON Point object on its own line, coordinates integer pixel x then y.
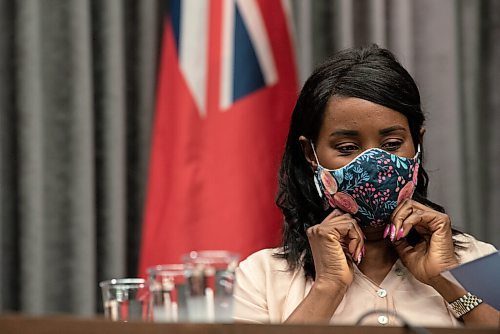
{"type": "Point", "coordinates": [19, 324]}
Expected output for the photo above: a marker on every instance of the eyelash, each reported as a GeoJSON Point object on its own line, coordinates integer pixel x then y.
{"type": "Point", "coordinates": [390, 146]}
{"type": "Point", "coordinates": [347, 149]}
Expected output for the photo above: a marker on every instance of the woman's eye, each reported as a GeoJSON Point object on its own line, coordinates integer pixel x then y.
{"type": "Point", "coordinates": [347, 149]}
{"type": "Point", "coordinates": [392, 145]}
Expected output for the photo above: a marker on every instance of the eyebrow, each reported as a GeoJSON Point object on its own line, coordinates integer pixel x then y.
{"type": "Point", "coordinates": [354, 133]}
{"type": "Point", "coordinates": [392, 129]}
{"type": "Point", "coordinates": [344, 132]}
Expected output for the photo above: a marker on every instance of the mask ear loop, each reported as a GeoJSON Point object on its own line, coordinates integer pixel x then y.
{"type": "Point", "coordinates": [314, 151]}
{"type": "Point", "coordinates": [316, 181]}
{"type": "Point", "coordinates": [419, 153]}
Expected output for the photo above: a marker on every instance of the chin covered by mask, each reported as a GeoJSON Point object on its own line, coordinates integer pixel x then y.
{"type": "Point", "coordinates": [370, 187]}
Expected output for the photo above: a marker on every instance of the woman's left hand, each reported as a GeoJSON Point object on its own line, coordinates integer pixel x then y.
{"type": "Point", "coordinates": [435, 252]}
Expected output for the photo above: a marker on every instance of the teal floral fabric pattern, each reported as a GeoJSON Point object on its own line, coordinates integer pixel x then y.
{"type": "Point", "coordinates": [370, 186]}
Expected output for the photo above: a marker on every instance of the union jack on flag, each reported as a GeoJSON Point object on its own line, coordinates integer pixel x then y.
{"type": "Point", "coordinates": [247, 61]}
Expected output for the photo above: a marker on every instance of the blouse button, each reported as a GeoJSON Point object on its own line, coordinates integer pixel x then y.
{"type": "Point", "coordinates": [383, 320]}
{"type": "Point", "coordinates": [399, 272]}
{"type": "Point", "coordinates": [382, 293]}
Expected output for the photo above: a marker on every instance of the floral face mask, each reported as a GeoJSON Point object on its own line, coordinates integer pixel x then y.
{"type": "Point", "coordinates": [370, 186]}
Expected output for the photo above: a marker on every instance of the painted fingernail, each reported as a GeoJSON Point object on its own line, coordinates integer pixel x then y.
{"type": "Point", "coordinates": [393, 232]}
{"type": "Point", "coordinates": [363, 251]}
{"type": "Point", "coordinates": [359, 258]}
{"type": "Point", "coordinates": [400, 234]}
{"type": "Point", "coordinates": [386, 231]}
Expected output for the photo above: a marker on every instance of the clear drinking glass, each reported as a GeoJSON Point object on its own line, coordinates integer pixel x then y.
{"type": "Point", "coordinates": [167, 288]}
{"type": "Point", "coordinates": [125, 299]}
{"type": "Point", "coordinates": [210, 277]}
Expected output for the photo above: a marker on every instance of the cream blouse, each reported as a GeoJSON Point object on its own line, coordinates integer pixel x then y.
{"type": "Point", "coordinates": [266, 292]}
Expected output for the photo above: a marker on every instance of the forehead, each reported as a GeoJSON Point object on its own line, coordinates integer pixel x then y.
{"type": "Point", "coordinates": [361, 115]}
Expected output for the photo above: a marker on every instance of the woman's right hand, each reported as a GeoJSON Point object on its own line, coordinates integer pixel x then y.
{"type": "Point", "coordinates": [335, 243]}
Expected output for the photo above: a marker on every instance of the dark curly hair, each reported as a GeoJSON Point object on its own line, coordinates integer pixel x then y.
{"type": "Point", "coordinates": [369, 73]}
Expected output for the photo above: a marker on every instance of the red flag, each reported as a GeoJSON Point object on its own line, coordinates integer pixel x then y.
{"type": "Point", "coordinates": [227, 85]}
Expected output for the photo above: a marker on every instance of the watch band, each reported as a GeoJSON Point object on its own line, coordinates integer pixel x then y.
{"type": "Point", "coordinates": [464, 304]}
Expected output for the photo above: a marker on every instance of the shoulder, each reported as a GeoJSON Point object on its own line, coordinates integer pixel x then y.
{"type": "Point", "coordinates": [263, 263]}
{"type": "Point", "coordinates": [268, 274]}
{"type": "Point", "coordinates": [263, 281]}
{"type": "Point", "coordinates": [470, 248]}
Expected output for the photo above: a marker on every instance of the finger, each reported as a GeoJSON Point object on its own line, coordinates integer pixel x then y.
{"type": "Point", "coordinates": [431, 219]}
{"type": "Point", "coordinates": [335, 217]}
{"type": "Point", "coordinates": [333, 214]}
{"type": "Point", "coordinates": [402, 210]}
{"type": "Point", "coordinates": [350, 236]}
{"type": "Point", "coordinates": [420, 206]}
{"type": "Point", "coordinates": [399, 207]}
{"type": "Point", "coordinates": [345, 229]}
{"type": "Point", "coordinates": [418, 219]}
{"type": "Point", "coordinates": [404, 205]}
{"type": "Point", "coordinates": [337, 213]}
{"type": "Point", "coordinates": [360, 250]}
{"type": "Point", "coordinates": [355, 249]}
{"type": "Point", "coordinates": [399, 217]}
{"type": "Point", "coordinates": [337, 228]}
{"type": "Point", "coordinates": [356, 242]}
{"type": "Point", "coordinates": [414, 219]}
{"type": "Point", "coordinates": [421, 230]}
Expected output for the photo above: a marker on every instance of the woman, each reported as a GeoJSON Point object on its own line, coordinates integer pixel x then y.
{"type": "Point", "coordinates": [359, 233]}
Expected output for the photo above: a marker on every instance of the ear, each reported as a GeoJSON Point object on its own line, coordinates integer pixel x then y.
{"type": "Point", "coordinates": [308, 152]}
{"type": "Point", "coordinates": [421, 136]}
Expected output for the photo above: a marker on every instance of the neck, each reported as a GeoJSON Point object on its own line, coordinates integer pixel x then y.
{"type": "Point", "coordinates": [379, 259]}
